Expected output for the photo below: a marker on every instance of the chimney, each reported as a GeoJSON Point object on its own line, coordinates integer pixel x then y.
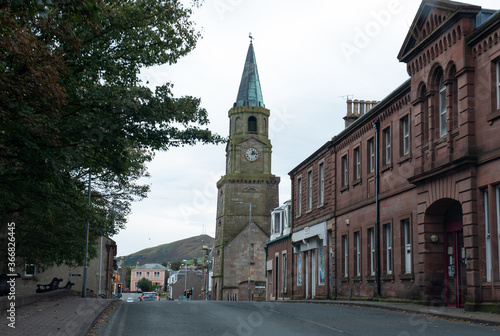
{"type": "Point", "coordinates": [350, 117]}
{"type": "Point", "coordinates": [357, 108]}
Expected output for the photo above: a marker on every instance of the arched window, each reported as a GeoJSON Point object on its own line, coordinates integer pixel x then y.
{"type": "Point", "coordinates": [238, 125]}
{"type": "Point", "coordinates": [252, 125]}
{"type": "Point", "coordinates": [442, 107]}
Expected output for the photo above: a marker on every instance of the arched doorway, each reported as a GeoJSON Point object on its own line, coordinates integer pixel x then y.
{"type": "Point", "coordinates": [445, 260]}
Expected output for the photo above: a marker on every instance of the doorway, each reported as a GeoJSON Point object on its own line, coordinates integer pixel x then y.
{"type": "Point", "coordinates": [455, 265]}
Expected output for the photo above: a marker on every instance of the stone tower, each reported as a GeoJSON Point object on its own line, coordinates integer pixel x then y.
{"type": "Point", "coordinates": [248, 180]}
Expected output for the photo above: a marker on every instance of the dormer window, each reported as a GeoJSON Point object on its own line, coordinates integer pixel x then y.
{"type": "Point", "coordinates": [252, 125]}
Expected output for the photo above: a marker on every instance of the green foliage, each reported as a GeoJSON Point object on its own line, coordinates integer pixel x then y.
{"type": "Point", "coordinates": [145, 285]}
{"type": "Point", "coordinates": [72, 105]}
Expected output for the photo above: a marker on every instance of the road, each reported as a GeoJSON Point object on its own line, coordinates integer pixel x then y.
{"type": "Point", "coordinates": [224, 318]}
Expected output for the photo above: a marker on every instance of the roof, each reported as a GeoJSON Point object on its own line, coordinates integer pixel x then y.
{"type": "Point", "coordinates": [151, 266]}
{"type": "Point", "coordinates": [249, 93]}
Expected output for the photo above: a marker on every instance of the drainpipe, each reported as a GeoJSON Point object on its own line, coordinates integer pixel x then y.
{"type": "Point", "coordinates": [376, 126]}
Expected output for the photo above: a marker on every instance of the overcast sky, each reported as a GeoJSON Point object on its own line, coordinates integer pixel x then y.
{"type": "Point", "coordinates": [310, 57]}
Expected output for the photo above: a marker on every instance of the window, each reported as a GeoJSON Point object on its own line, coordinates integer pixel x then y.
{"type": "Point", "coordinates": [344, 171]}
{"type": "Point", "coordinates": [252, 125]}
{"type": "Point", "coordinates": [487, 235]}
{"type": "Point", "coordinates": [299, 196]}
{"type": "Point", "coordinates": [138, 274]}
{"type": "Point", "coordinates": [407, 245]}
{"type": "Point", "coordinates": [321, 189]}
{"type": "Point", "coordinates": [387, 145]}
{"type": "Point", "coordinates": [29, 270]}
{"type": "Point", "coordinates": [357, 163]}
{"type": "Point", "coordinates": [388, 249]}
{"type": "Point", "coordinates": [371, 235]}
{"type": "Point", "coordinates": [156, 275]}
{"type": "Point", "coordinates": [405, 126]}
{"type": "Point", "coordinates": [442, 107]}
{"type": "Point", "coordinates": [357, 252]}
{"type": "Point", "coordinates": [371, 155]}
{"type": "Point", "coordinates": [309, 189]}
{"type": "Point", "coordinates": [498, 86]}
{"type": "Point", "coordinates": [345, 247]}
{"type": "Point", "coordinates": [147, 274]}
{"type": "Point", "coordinates": [277, 228]}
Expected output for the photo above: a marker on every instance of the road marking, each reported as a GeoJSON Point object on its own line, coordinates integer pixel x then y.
{"type": "Point", "coordinates": [303, 319]}
{"type": "Point", "coordinates": [321, 325]}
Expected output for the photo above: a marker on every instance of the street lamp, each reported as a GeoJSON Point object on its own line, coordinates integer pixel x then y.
{"type": "Point", "coordinates": [185, 278]}
{"type": "Point", "coordinates": [249, 241]}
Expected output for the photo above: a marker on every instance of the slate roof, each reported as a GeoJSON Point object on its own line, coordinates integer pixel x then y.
{"type": "Point", "coordinates": [151, 266]}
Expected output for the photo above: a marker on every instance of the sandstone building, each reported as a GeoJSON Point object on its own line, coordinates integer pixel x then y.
{"type": "Point", "coordinates": [405, 202]}
{"type": "Point", "coordinates": [248, 187]}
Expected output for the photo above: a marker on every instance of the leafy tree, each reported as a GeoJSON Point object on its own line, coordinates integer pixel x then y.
{"type": "Point", "coordinates": [145, 285]}
{"type": "Point", "coordinates": [72, 106]}
{"type": "Point", "coordinates": [176, 265]}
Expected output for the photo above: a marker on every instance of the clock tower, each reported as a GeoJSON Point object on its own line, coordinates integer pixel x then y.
{"type": "Point", "coordinates": [247, 194]}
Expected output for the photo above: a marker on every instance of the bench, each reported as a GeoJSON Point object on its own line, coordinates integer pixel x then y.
{"type": "Point", "coordinates": [4, 285]}
{"type": "Point", "coordinates": [54, 284]}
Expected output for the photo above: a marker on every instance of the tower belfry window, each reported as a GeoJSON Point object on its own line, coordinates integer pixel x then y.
{"type": "Point", "coordinates": [252, 125]}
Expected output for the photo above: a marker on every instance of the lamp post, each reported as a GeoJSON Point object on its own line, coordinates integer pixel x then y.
{"type": "Point", "coordinates": [185, 278]}
{"type": "Point", "coordinates": [249, 242]}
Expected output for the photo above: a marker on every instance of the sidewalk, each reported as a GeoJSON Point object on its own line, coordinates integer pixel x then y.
{"type": "Point", "coordinates": [64, 315]}
{"type": "Point", "coordinates": [458, 314]}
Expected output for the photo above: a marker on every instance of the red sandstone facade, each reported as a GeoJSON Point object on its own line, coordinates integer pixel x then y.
{"type": "Point", "coordinates": [429, 230]}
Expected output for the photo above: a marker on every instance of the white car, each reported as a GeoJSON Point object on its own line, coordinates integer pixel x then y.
{"type": "Point", "coordinates": [130, 299]}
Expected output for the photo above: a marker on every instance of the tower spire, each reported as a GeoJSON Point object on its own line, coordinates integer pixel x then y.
{"type": "Point", "coordinates": [249, 93]}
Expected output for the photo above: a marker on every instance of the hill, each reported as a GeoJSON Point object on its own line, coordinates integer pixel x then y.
{"type": "Point", "coordinates": [188, 249]}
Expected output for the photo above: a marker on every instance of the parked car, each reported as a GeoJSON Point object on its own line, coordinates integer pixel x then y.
{"type": "Point", "coordinates": [130, 299]}
{"type": "Point", "coordinates": [149, 296]}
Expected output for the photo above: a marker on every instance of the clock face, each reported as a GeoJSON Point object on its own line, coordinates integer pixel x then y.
{"type": "Point", "coordinates": [251, 154]}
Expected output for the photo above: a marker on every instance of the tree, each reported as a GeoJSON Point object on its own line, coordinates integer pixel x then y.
{"type": "Point", "coordinates": [145, 285]}
{"type": "Point", "coordinates": [176, 265]}
{"type": "Point", "coordinates": [72, 106]}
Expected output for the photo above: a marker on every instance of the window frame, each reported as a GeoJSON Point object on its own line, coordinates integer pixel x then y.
{"type": "Point", "coordinates": [442, 97]}
{"type": "Point", "coordinates": [388, 249]}
{"type": "Point", "coordinates": [27, 267]}
{"type": "Point", "coordinates": [299, 196]}
{"type": "Point", "coordinates": [406, 224]}
{"type": "Point", "coordinates": [357, 246]}
{"type": "Point", "coordinates": [371, 156]}
{"type": "Point", "coordinates": [345, 170]}
{"type": "Point", "coordinates": [357, 163]}
{"type": "Point", "coordinates": [405, 135]}
{"type": "Point", "coordinates": [371, 236]}
{"type": "Point", "coordinates": [321, 182]}
{"type": "Point", "coordinates": [252, 121]}
{"type": "Point", "coordinates": [387, 145]}
{"type": "Point", "coordinates": [309, 189]}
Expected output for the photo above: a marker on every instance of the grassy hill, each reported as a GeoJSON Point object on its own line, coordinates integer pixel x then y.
{"type": "Point", "coordinates": [182, 249]}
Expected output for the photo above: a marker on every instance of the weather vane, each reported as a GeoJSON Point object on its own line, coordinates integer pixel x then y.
{"type": "Point", "coordinates": [251, 37]}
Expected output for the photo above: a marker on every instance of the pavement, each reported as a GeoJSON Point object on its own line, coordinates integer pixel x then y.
{"type": "Point", "coordinates": [56, 315]}
{"type": "Point", "coordinates": [70, 314]}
